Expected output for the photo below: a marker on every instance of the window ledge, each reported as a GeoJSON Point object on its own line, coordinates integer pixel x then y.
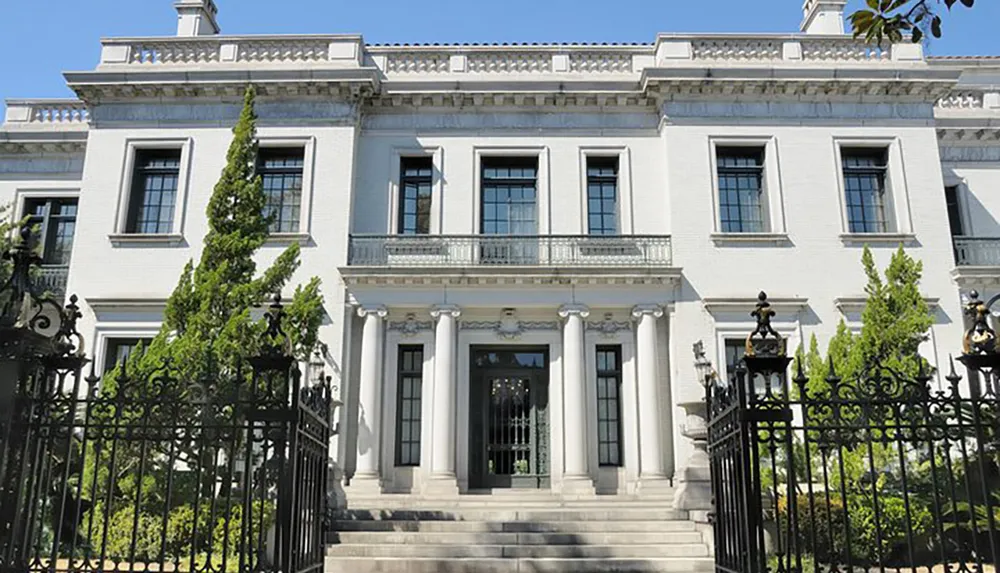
{"type": "Point", "coordinates": [877, 238]}
{"type": "Point", "coordinates": [743, 238]}
{"type": "Point", "coordinates": [141, 239]}
{"type": "Point", "coordinates": [302, 239]}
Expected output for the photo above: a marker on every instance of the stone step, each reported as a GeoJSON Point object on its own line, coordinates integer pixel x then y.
{"type": "Point", "coordinates": [516, 526]}
{"type": "Point", "coordinates": [508, 503]}
{"type": "Point", "coordinates": [519, 551]}
{"type": "Point", "coordinates": [489, 538]}
{"type": "Point", "coordinates": [508, 514]}
{"type": "Point", "coordinates": [572, 565]}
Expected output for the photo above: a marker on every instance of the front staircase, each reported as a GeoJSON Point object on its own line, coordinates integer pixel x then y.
{"type": "Point", "coordinates": [516, 531]}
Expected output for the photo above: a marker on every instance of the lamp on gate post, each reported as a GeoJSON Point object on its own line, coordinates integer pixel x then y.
{"type": "Point", "coordinates": [980, 345]}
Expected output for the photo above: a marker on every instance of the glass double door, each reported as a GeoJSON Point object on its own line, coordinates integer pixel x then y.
{"type": "Point", "coordinates": [509, 420]}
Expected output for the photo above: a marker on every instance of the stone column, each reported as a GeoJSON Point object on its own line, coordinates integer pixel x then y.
{"type": "Point", "coordinates": [576, 477]}
{"type": "Point", "coordinates": [370, 396]}
{"type": "Point", "coordinates": [647, 377]}
{"type": "Point", "coordinates": [443, 432]}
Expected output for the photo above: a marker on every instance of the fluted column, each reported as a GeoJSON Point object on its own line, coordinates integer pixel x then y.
{"type": "Point", "coordinates": [647, 359]}
{"type": "Point", "coordinates": [369, 395]}
{"type": "Point", "coordinates": [443, 433]}
{"type": "Point", "coordinates": [574, 392]}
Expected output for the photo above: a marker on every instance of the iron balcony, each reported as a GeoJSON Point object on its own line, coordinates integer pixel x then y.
{"type": "Point", "coordinates": [52, 279]}
{"type": "Point", "coordinates": [446, 251]}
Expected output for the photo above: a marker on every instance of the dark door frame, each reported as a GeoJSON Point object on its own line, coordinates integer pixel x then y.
{"type": "Point", "coordinates": [479, 476]}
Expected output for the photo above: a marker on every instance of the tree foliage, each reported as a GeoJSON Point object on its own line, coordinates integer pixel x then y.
{"type": "Point", "coordinates": [889, 20]}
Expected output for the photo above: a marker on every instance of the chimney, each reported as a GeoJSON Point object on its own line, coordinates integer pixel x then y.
{"type": "Point", "coordinates": [196, 17]}
{"type": "Point", "coordinates": [823, 17]}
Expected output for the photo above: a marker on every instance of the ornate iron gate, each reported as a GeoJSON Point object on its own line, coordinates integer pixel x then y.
{"type": "Point", "coordinates": [151, 472]}
{"type": "Point", "coordinates": [884, 471]}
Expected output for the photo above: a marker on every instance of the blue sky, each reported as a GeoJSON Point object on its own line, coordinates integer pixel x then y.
{"type": "Point", "coordinates": [40, 39]}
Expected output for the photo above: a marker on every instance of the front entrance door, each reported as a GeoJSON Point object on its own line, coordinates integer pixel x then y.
{"type": "Point", "coordinates": [508, 415]}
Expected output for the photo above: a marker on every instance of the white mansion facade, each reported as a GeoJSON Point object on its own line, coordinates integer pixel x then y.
{"type": "Point", "coordinates": [520, 244]}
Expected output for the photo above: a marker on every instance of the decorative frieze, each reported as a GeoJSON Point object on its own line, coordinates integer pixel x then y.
{"type": "Point", "coordinates": [509, 327]}
{"type": "Point", "coordinates": [971, 154]}
{"type": "Point", "coordinates": [411, 326]}
{"type": "Point", "coordinates": [609, 327]}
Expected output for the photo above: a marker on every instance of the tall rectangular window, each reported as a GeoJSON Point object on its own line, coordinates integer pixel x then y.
{"type": "Point", "coordinates": [609, 384]}
{"type": "Point", "coordinates": [736, 349]}
{"type": "Point", "coordinates": [118, 349]}
{"type": "Point", "coordinates": [410, 375]}
{"type": "Point", "coordinates": [280, 170]}
{"type": "Point", "coordinates": [602, 195]}
{"type": "Point", "coordinates": [954, 211]}
{"type": "Point", "coordinates": [154, 191]}
{"type": "Point", "coordinates": [53, 224]}
{"type": "Point", "coordinates": [509, 201]}
{"type": "Point", "coordinates": [864, 185]}
{"type": "Point", "coordinates": [741, 188]}
{"type": "Point", "coordinates": [416, 180]}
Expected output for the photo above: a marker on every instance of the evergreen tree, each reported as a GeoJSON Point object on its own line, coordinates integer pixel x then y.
{"type": "Point", "coordinates": [208, 330]}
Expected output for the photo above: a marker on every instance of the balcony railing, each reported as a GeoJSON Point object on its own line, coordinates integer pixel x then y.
{"type": "Point", "coordinates": [52, 279]}
{"type": "Point", "coordinates": [506, 250]}
{"type": "Point", "coordinates": [977, 251]}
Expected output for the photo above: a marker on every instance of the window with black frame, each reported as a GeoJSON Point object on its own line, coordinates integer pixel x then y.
{"type": "Point", "coordinates": [53, 223]}
{"type": "Point", "coordinates": [602, 195]}
{"type": "Point", "coordinates": [741, 189]}
{"type": "Point", "coordinates": [864, 187]}
{"type": "Point", "coordinates": [609, 383]}
{"type": "Point", "coordinates": [280, 170]}
{"type": "Point", "coordinates": [416, 180]}
{"type": "Point", "coordinates": [736, 349]}
{"type": "Point", "coordinates": [117, 350]}
{"type": "Point", "coordinates": [154, 191]}
{"type": "Point", "coordinates": [509, 207]}
{"type": "Point", "coordinates": [410, 377]}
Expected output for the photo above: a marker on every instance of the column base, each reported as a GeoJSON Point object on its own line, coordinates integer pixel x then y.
{"type": "Point", "coordinates": [440, 487]}
{"type": "Point", "coordinates": [578, 487]}
{"type": "Point", "coordinates": [364, 485]}
{"type": "Point", "coordinates": [655, 487]}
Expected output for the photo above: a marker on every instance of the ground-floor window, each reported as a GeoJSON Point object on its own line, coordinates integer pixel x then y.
{"type": "Point", "coordinates": [609, 383]}
{"type": "Point", "coordinates": [410, 381]}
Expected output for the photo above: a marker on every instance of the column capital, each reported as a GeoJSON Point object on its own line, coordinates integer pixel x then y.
{"type": "Point", "coordinates": [366, 310]}
{"type": "Point", "coordinates": [640, 310]}
{"type": "Point", "coordinates": [568, 310]}
{"type": "Point", "coordinates": [440, 310]}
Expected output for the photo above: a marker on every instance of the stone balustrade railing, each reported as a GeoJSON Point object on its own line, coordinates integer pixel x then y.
{"type": "Point", "coordinates": [519, 59]}
{"type": "Point", "coordinates": [970, 100]}
{"type": "Point", "coordinates": [55, 113]}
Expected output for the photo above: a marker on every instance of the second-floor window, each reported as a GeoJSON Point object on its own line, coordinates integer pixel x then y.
{"type": "Point", "coordinates": [954, 211]}
{"type": "Point", "coordinates": [602, 195]}
{"type": "Point", "coordinates": [154, 191]}
{"type": "Point", "coordinates": [52, 223]}
{"type": "Point", "coordinates": [741, 189]}
{"type": "Point", "coordinates": [510, 196]}
{"type": "Point", "coordinates": [280, 170]}
{"type": "Point", "coordinates": [864, 186]}
{"type": "Point", "coordinates": [416, 180]}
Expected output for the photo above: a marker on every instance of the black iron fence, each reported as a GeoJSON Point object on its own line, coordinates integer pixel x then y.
{"type": "Point", "coordinates": [880, 472]}
{"type": "Point", "coordinates": [153, 472]}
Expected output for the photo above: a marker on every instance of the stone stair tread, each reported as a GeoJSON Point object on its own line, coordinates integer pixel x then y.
{"type": "Point", "coordinates": [519, 551]}
{"type": "Point", "coordinates": [525, 538]}
{"type": "Point", "coordinates": [554, 565]}
{"type": "Point", "coordinates": [566, 526]}
{"type": "Point", "coordinates": [512, 514]}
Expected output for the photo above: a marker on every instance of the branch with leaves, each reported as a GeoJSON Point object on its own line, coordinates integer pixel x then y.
{"type": "Point", "coordinates": [892, 19]}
